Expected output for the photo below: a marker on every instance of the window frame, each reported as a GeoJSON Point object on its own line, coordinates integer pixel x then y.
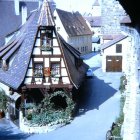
{"type": "Point", "coordinates": [59, 69]}
{"type": "Point", "coordinates": [40, 75]}
{"type": "Point", "coordinates": [118, 48]}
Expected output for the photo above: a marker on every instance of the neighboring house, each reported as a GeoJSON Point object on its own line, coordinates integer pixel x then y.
{"type": "Point", "coordinates": [114, 54]}
{"type": "Point", "coordinates": [94, 19]}
{"type": "Point", "coordinates": [74, 29]}
{"type": "Point", "coordinates": [37, 61]}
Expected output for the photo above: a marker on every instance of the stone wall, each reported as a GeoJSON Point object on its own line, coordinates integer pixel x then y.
{"type": "Point", "coordinates": [131, 109]}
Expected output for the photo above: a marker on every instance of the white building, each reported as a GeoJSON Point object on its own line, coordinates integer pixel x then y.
{"type": "Point", "coordinates": [74, 29]}
{"type": "Point", "coordinates": [114, 54]}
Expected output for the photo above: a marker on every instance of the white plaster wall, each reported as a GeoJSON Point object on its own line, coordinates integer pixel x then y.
{"type": "Point", "coordinates": [27, 81]}
{"type": "Point", "coordinates": [62, 63]}
{"type": "Point", "coordinates": [38, 59]}
{"type": "Point", "coordinates": [55, 42]}
{"type": "Point", "coordinates": [56, 51]}
{"type": "Point", "coordinates": [55, 59]}
{"type": "Point", "coordinates": [46, 62]}
{"type": "Point", "coordinates": [36, 51]}
{"type": "Point", "coordinates": [29, 72]}
{"type": "Point", "coordinates": [31, 64]}
{"type": "Point", "coordinates": [37, 43]}
{"type": "Point", "coordinates": [64, 72]}
{"type": "Point", "coordinates": [81, 41]}
{"type": "Point", "coordinates": [46, 52]}
{"type": "Point", "coordinates": [59, 24]}
{"type": "Point", "coordinates": [65, 80]}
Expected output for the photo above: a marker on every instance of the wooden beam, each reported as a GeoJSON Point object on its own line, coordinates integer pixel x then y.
{"type": "Point", "coordinates": [69, 86]}
{"type": "Point", "coordinates": [46, 56]}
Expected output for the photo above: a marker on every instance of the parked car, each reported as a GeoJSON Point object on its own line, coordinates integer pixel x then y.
{"type": "Point", "coordinates": [89, 73]}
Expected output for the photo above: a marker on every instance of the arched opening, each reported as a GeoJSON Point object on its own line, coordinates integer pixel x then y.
{"type": "Point", "coordinates": [59, 102]}
{"type": "Point", "coordinates": [34, 96]}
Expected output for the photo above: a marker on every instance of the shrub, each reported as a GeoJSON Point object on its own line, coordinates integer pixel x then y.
{"type": "Point", "coordinates": [46, 112]}
{"type": "Point", "coordinates": [123, 82]}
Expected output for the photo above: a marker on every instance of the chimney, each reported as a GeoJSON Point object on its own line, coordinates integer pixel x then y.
{"type": "Point", "coordinates": [16, 2]}
{"type": "Point", "coordinates": [24, 13]}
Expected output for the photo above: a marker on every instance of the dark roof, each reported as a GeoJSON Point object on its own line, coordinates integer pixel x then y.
{"type": "Point", "coordinates": [77, 74]}
{"type": "Point", "coordinates": [95, 21]}
{"type": "Point", "coordinates": [16, 73]}
{"type": "Point", "coordinates": [112, 42]}
{"type": "Point", "coordinates": [74, 23]}
{"type": "Point", "coordinates": [24, 42]}
{"type": "Point", "coordinates": [8, 20]}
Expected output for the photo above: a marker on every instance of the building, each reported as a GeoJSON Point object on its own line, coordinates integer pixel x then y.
{"type": "Point", "coordinates": [37, 61]}
{"type": "Point", "coordinates": [75, 30]}
{"type": "Point", "coordinates": [114, 54]}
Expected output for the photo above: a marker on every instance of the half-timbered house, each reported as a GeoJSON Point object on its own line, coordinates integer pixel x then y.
{"type": "Point", "coordinates": [37, 61]}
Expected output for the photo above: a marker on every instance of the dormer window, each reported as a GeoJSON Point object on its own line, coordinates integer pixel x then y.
{"type": "Point", "coordinates": [46, 40]}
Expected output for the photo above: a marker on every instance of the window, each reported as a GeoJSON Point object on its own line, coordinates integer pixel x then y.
{"type": "Point", "coordinates": [38, 69]}
{"type": "Point", "coordinates": [58, 28]}
{"type": "Point", "coordinates": [54, 17]}
{"type": "Point", "coordinates": [46, 40]}
{"type": "Point", "coordinates": [118, 48]}
{"type": "Point", "coordinates": [55, 69]}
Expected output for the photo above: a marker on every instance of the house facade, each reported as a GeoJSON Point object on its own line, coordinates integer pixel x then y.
{"type": "Point", "coordinates": [75, 30]}
{"type": "Point", "coordinates": [114, 56]}
{"type": "Point", "coordinates": [37, 62]}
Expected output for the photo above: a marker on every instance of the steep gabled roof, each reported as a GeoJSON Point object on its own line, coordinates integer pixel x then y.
{"type": "Point", "coordinates": [74, 23]}
{"type": "Point", "coordinates": [77, 74]}
{"type": "Point", "coordinates": [45, 18]}
{"type": "Point", "coordinates": [112, 42]}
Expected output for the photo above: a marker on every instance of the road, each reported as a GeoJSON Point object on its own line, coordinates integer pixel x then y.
{"type": "Point", "coordinates": [98, 108]}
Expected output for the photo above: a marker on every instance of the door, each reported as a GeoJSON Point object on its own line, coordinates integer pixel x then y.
{"type": "Point", "coordinates": [113, 63]}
